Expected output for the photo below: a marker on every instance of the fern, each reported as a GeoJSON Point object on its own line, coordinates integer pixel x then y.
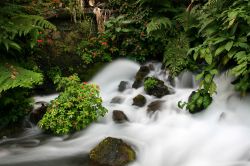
{"type": "Point", "coordinates": [175, 56]}
{"type": "Point", "coordinates": [15, 23]}
{"type": "Point", "coordinates": [158, 25]}
{"type": "Point", "coordinates": [13, 76]}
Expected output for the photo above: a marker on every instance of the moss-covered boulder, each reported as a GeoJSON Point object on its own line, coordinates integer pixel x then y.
{"type": "Point", "coordinates": [140, 75]}
{"type": "Point", "coordinates": [111, 152]}
{"type": "Point", "coordinates": [119, 116]}
{"type": "Point", "coordinates": [155, 87]}
{"type": "Point", "coordinates": [139, 100]}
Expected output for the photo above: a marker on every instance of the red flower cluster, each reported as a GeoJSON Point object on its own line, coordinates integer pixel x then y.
{"type": "Point", "coordinates": [104, 43]}
{"type": "Point", "coordinates": [39, 41]}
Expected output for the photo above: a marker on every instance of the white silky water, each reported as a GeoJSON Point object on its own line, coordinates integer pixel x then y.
{"type": "Point", "coordinates": [219, 136]}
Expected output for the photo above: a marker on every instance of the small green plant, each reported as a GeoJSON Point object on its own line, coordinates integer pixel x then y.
{"type": "Point", "coordinates": [150, 83]}
{"type": "Point", "coordinates": [197, 101]}
{"type": "Point", "coordinates": [75, 108]}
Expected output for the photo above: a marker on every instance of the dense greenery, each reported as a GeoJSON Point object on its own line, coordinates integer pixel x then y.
{"type": "Point", "coordinates": [75, 108]}
{"type": "Point", "coordinates": [206, 37]}
{"type": "Point", "coordinates": [150, 83]}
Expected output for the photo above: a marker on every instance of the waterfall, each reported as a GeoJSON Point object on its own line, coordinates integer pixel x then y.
{"type": "Point", "coordinates": [218, 136]}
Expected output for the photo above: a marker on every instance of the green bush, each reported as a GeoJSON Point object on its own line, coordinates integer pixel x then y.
{"type": "Point", "coordinates": [150, 83]}
{"type": "Point", "coordinates": [197, 101]}
{"type": "Point", "coordinates": [14, 105]}
{"type": "Point", "coordinates": [74, 109]}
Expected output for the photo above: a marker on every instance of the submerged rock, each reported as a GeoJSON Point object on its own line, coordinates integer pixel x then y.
{"type": "Point", "coordinates": [111, 152]}
{"type": "Point", "coordinates": [140, 75]}
{"type": "Point", "coordinates": [123, 86]}
{"type": "Point", "coordinates": [139, 100]}
{"type": "Point", "coordinates": [157, 89]}
{"type": "Point", "coordinates": [37, 114]}
{"type": "Point", "coordinates": [119, 116]}
{"type": "Point", "coordinates": [155, 106]}
{"type": "Point", "coordinates": [116, 100]}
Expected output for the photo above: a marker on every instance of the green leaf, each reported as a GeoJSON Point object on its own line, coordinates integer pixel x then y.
{"type": "Point", "coordinates": [209, 58]}
{"type": "Point", "coordinates": [219, 50]}
{"type": "Point", "coordinates": [229, 45]}
{"type": "Point", "coordinates": [199, 76]}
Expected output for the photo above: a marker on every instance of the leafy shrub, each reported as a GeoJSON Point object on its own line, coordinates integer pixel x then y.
{"type": "Point", "coordinates": [14, 105]}
{"type": "Point", "coordinates": [150, 83]}
{"type": "Point", "coordinates": [198, 101]}
{"type": "Point", "coordinates": [75, 108]}
{"type": "Point", "coordinates": [224, 27]}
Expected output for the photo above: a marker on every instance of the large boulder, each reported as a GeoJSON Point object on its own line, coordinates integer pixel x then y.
{"type": "Point", "coordinates": [155, 106]}
{"type": "Point", "coordinates": [139, 100]}
{"type": "Point", "coordinates": [140, 75]}
{"type": "Point", "coordinates": [119, 116]}
{"type": "Point", "coordinates": [155, 87]}
{"type": "Point", "coordinates": [123, 86]}
{"type": "Point", "coordinates": [111, 152]}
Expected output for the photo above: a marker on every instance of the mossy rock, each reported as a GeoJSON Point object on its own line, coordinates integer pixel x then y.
{"type": "Point", "coordinates": [159, 89]}
{"type": "Point", "coordinates": [140, 75]}
{"type": "Point", "coordinates": [139, 100]}
{"type": "Point", "coordinates": [111, 152]}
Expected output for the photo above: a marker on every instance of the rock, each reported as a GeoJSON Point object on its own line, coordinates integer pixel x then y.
{"type": "Point", "coordinates": [123, 86]}
{"type": "Point", "coordinates": [151, 66]}
{"type": "Point", "coordinates": [37, 114]}
{"type": "Point", "coordinates": [119, 116]}
{"type": "Point", "coordinates": [139, 100]}
{"type": "Point", "coordinates": [116, 100]}
{"type": "Point", "coordinates": [140, 75]}
{"type": "Point", "coordinates": [158, 89]}
{"type": "Point", "coordinates": [155, 105]}
{"type": "Point", "coordinates": [111, 152]}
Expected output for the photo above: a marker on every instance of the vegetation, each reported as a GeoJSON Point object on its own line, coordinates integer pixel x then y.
{"type": "Point", "coordinates": [150, 83]}
{"type": "Point", "coordinates": [205, 37]}
{"type": "Point", "coordinates": [75, 108]}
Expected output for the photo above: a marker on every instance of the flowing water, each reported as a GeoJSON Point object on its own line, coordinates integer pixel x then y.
{"type": "Point", "coordinates": [219, 136]}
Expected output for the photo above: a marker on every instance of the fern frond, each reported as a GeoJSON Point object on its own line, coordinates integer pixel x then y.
{"type": "Point", "coordinates": [13, 76]}
{"type": "Point", "coordinates": [158, 24]}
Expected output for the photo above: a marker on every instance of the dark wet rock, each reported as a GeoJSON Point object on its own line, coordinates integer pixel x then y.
{"type": "Point", "coordinates": [139, 100]}
{"type": "Point", "coordinates": [198, 101]}
{"type": "Point", "coordinates": [140, 75]}
{"type": "Point", "coordinates": [123, 86]}
{"type": "Point", "coordinates": [155, 105]}
{"type": "Point", "coordinates": [111, 152]}
{"type": "Point", "coordinates": [158, 89]}
{"type": "Point", "coordinates": [151, 66]}
{"type": "Point", "coordinates": [116, 100]}
{"type": "Point", "coordinates": [119, 116]}
{"type": "Point", "coordinates": [37, 114]}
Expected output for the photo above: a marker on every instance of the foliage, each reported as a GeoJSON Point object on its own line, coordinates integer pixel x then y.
{"type": "Point", "coordinates": [149, 83]}
{"type": "Point", "coordinates": [198, 101]}
{"type": "Point", "coordinates": [75, 108]}
{"type": "Point", "coordinates": [175, 56]}
{"type": "Point", "coordinates": [224, 25]}
{"type": "Point", "coordinates": [94, 50]}
{"type": "Point", "coordinates": [13, 76]}
{"type": "Point", "coordinates": [14, 104]}
{"type": "Point", "coordinates": [15, 24]}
